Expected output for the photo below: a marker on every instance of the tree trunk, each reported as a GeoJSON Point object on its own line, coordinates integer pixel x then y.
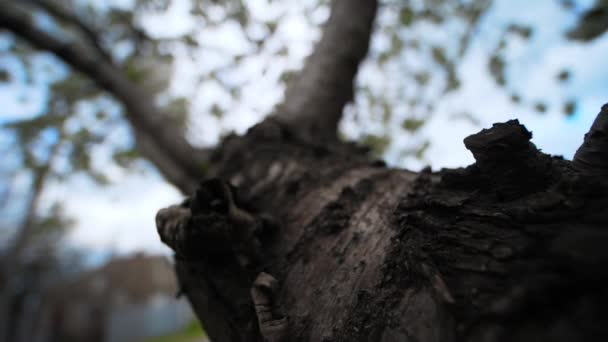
{"type": "Point", "coordinates": [511, 248]}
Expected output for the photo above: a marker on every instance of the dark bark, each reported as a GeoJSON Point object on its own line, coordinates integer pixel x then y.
{"type": "Point", "coordinates": [511, 248]}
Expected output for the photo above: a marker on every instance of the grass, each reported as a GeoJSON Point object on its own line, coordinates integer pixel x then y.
{"type": "Point", "coordinates": [193, 332]}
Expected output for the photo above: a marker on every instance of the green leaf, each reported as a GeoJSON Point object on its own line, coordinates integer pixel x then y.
{"type": "Point", "coordinates": [271, 26]}
{"type": "Point", "coordinates": [453, 82]}
{"type": "Point", "coordinates": [468, 116]}
{"type": "Point", "coordinates": [497, 69]}
{"type": "Point", "coordinates": [99, 178]}
{"type": "Point", "coordinates": [439, 55]}
{"type": "Point", "coordinates": [377, 143]}
{"type": "Point", "coordinates": [563, 75]}
{"type": "Point", "coordinates": [540, 107]}
{"type": "Point", "coordinates": [433, 15]}
{"type": "Point", "coordinates": [412, 125]}
{"type": "Point", "coordinates": [520, 30]}
{"type": "Point", "coordinates": [125, 158]}
{"type": "Point", "coordinates": [570, 108]}
{"type": "Point", "coordinates": [179, 109]}
{"type": "Point", "coordinates": [396, 44]}
{"type": "Point", "coordinates": [406, 16]}
{"type": "Point", "coordinates": [422, 149]}
{"type": "Point", "coordinates": [5, 76]}
{"type": "Point", "coordinates": [190, 41]}
{"type": "Point", "coordinates": [515, 98]}
{"type": "Point", "coordinates": [287, 76]}
{"type": "Point", "coordinates": [101, 115]}
{"type": "Point", "coordinates": [217, 111]}
{"type": "Point", "coordinates": [133, 72]}
{"type": "Point", "coordinates": [422, 78]}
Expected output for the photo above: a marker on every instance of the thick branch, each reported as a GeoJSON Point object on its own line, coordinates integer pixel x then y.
{"type": "Point", "coordinates": [314, 101]}
{"type": "Point", "coordinates": [592, 156]}
{"type": "Point", "coordinates": [160, 142]}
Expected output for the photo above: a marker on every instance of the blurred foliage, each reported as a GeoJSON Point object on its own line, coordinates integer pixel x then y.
{"type": "Point", "coordinates": [377, 143]}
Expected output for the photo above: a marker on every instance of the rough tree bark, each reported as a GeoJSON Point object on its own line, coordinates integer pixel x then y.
{"type": "Point", "coordinates": [292, 238]}
{"type": "Point", "coordinates": [511, 248]}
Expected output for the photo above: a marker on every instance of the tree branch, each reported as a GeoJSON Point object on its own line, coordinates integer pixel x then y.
{"type": "Point", "coordinates": [592, 156]}
{"type": "Point", "coordinates": [56, 10]}
{"type": "Point", "coordinates": [162, 143]}
{"type": "Point", "coordinates": [315, 100]}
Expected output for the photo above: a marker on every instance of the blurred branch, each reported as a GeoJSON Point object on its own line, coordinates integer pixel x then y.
{"type": "Point", "coordinates": [11, 260]}
{"type": "Point", "coordinates": [315, 99]}
{"type": "Point", "coordinates": [26, 231]}
{"type": "Point", "coordinates": [61, 13]}
{"type": "Point", "coordinates": [592, 23]}
{"type": "Point", "coordinates": [474, 11]}
{"type": "Point", "coordinates": [165, 144]}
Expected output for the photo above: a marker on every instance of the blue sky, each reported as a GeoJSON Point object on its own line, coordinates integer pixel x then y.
{"type": "Point", "coordinates": [104, 225]}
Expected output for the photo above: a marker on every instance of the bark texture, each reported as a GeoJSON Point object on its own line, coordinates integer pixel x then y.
{"type": "Point", "coordinates": [511, 248]}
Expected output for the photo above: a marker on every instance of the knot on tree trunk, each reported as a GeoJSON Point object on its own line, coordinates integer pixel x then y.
{"type": "Point", "coordinates": [211, 225]}
{"type": "Point", "coordinates": [219, 248]}
{"type": "Point", "coordinates": [499, 144]}
{"type": "Point", "coordinates": [507, 162]}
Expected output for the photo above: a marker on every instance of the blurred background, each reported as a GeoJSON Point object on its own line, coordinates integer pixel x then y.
{"type": "Point", "coordinates": [80, 259]}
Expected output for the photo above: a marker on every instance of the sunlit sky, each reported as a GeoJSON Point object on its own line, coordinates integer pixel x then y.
{"type": "Point", "coordinates": [119, 218]}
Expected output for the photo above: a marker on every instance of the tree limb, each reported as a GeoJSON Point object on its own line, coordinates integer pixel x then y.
{"type": "Point", "coordinates": [162, 143]}
{"type": "Point", "coordinates": [56, 10]}
{"type": "Point", "coordinates": [314, 101]}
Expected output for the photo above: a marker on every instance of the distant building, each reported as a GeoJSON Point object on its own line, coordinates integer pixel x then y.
{"type": "Point", "coordinates": [127, 300]}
